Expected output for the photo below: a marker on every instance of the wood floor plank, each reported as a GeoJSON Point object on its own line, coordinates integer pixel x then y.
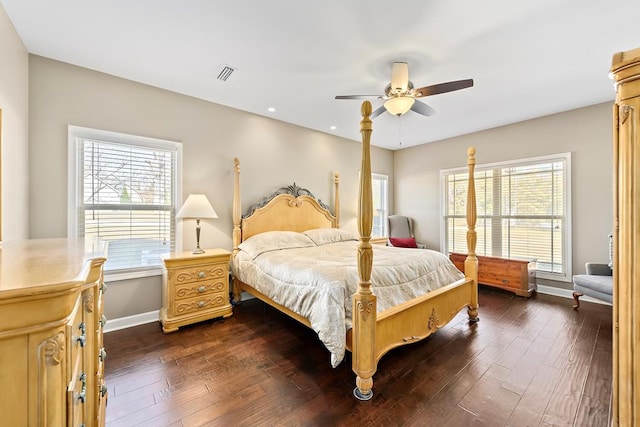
{"type": "Point", "coordinates": [527, 362]}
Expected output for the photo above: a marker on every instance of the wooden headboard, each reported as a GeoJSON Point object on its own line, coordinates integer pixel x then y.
{"type": "Point", "coordinates": [291, 208]}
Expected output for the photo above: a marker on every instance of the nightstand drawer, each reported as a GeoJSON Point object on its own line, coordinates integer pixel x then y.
{"type": "Point", "coordinates": [199, 273]}
{"type": "Point", "coordinates": [190, 290]}
{"type": "Point", "coordinates": [201, 303]}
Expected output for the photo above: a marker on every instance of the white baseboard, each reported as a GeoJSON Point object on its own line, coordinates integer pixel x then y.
{"type": "Point", "coordinates": [566, 293]}
{"type": "Point", "coordinates": [129, 321]}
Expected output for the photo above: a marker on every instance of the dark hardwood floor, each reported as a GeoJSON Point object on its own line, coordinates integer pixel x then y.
{"type": "Point", "coordinates": [528, 362]}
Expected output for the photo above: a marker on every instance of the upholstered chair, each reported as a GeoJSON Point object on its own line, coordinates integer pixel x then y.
{"type": "Point", "coordinates": [401, 232]}
{"type": "Point", "coordinates": [597, 283]}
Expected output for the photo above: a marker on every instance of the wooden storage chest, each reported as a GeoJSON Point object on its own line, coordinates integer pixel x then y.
{"type": "Point", "coordinates": [515, 275]}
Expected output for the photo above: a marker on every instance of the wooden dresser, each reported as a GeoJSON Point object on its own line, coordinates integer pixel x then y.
{"type": "Point", "coordinates": [515, 275]}
{"type": "Point", "coordinates": [195, 287]}
{"type": "Point", "coordinates": [51, 354]}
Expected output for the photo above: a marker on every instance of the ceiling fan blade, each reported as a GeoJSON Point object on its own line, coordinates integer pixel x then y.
{"type": "Point", "coordinates": [357, 96]}
{"type": "Point", "coordinates": [443, 88]}
{"type": "Point", "coordinates": [377, 112]}
{"type": "Point", "coordinates": [399, 77]}
{"type": "Point", "coordinates": [422, 108]}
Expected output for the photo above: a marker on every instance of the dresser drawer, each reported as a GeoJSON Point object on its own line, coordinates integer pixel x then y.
{"type": "Point", "coordinates": [190, 290]}
{"type": "Point", "coordinates": [77, 336]}
{"type": "Point", "coordinates": [76, 400]}
{"type": "Point", "coordinates": [199, 273]}
{"type": "Point", "coordinates": [201, 303]}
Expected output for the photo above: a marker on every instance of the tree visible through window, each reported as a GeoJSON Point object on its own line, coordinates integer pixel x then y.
{"type": "Point", "coordinates": [523, 212]}
{"type": "Point", "coordinates": [125, 194]}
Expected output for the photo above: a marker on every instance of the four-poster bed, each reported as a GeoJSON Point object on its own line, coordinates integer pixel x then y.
{"type": "Point", "coordinates": [374, 321]}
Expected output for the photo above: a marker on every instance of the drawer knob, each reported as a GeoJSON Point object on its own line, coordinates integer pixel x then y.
{"type": "Point", "coordinates": [201, 304]}
{"type": "Point", "coordinates": [202, 274]}
{"type": "Point", "coordinates": [202, 288]}
{"type": "Point", "coordinates": [103, 320]}
{"type": "Point", "coordinates": [102, 355]}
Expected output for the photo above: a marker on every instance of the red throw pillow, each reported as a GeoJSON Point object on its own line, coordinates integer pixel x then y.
{"type": "Point", "coordinates": [403, 242]}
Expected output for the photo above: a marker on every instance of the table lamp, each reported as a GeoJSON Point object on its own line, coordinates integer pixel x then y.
{"type": "Point", "coordinates": [197, 206]}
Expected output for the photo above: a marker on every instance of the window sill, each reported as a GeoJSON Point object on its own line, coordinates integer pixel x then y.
{"type": "Point", "coordinates": [116, 276]}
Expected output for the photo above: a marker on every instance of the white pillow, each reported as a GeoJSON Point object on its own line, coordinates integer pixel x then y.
{"type": "Point", "coordinates": [273, 241]}
{"type": "Point", "coordinates": [323, 236]}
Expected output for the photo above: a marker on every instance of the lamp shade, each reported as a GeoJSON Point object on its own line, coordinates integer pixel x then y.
{"type": "Point", "coordinates": [197, 206]}
{"type": "Point", "coordinates": [399, 105]}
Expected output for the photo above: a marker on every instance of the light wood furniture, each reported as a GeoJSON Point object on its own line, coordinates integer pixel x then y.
{"type": "Point", "coordinates": [373, 334]}
{"type": "Point", "coordinates": [51, 322]}
{"type": "Point", "coordinates": [625, 71]}
{"type": "Point", "coordinates": [515, 275]}
{"type": "Point", "coordinates": [195, 287]}
{"type": "Point", "coordinates": [379, 240]}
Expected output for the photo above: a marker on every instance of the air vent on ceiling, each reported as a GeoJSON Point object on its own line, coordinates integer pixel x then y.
{"type": "Point", "coordinates": [225, 72]}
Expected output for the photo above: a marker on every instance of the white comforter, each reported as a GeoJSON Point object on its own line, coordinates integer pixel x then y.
{"type": "Point", "coordinates": [318, 282]}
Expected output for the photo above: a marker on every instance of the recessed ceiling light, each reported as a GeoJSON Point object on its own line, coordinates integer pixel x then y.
{"type": "Point", "coordinates": [332, 128]}
{"type": "Point", "coordinates": [271, 109]}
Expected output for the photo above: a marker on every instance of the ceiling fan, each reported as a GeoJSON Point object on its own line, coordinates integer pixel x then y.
{"type": "Point", "coordinates": [400, 95]}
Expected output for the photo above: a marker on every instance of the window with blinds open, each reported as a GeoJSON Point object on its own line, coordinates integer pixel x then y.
{"type": "Point", "coordinates": [380, 193]}
{"type": "Point", "coordinates": [523, 211]}
{"type": "Point", "coordinates": [125, 193]}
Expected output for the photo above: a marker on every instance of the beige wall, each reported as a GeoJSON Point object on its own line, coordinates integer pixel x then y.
{"type": "Point", "coordinates": [585, 132]}
{"type": "Point", "coordinates": [272, 154]}
{"type": "Point", "coordinates": [14, 135]}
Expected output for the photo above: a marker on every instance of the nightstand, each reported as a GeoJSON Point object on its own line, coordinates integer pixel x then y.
{"type": "Point", "coordinates": [195, 287]}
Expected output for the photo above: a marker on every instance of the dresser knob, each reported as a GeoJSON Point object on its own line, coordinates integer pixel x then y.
{"type": "Point", "coordinates": [102, 355]}
{"type": "Point", "coordinates": [202, 274]}
{"type": "Point", "coordinates": [202, 288]}
{"type": "Point", "coordinates": [201, 304]}
{"type": "Point", "coordinates": [103, 320]}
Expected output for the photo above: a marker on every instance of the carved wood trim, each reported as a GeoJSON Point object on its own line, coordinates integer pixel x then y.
{"type": "Point", "coordinates": [210, 273]}
{"type": "Point", "coordinates": [293, 190]}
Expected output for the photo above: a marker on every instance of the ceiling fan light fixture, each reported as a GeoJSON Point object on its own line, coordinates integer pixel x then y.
{"type": "Point", "coordinates": [399, 105]}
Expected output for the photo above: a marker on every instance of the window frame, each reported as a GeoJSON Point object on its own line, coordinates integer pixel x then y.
{"type": "Point", "coordinates": [567, 258]}
{"type": "Point", "coordinates": [76, 136]}
{"type": "Point", "coordinates": [385, 196]}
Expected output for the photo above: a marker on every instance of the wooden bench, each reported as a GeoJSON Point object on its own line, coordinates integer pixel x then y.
{"type": "Point", "coordinates": [515, 275]}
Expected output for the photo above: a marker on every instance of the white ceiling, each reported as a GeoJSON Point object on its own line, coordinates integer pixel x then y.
{"type": "Point", "coordinates": [528, 58]}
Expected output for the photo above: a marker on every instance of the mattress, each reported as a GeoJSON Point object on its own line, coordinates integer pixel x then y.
{"type": "Point", "coordinates": [315, 274]}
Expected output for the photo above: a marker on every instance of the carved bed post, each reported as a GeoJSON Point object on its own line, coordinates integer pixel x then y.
{"type": "Point", "coordinates": [471, 263]}
{"type": "Point", "coordinates": [364, 302]}
{"type": "Point", "coordinates": [336, 195]}
{"type": "Point", "coordinates": [237, 217]}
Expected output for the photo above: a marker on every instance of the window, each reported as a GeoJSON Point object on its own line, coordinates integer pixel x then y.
{"type": "Point", "coordinates": [523, 212]}
{"type": "Point", "coordinates": [124, 189]}
{"type": "Point", "coordinates": [379, 186]}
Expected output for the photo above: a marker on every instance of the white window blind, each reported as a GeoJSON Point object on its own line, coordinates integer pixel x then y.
{"type": "Point", "coordinates": [523, 211]}
{"type": "Point", "coordinates": [379, 186]}
{"type": "Point", "coordinates": [125, 194]}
